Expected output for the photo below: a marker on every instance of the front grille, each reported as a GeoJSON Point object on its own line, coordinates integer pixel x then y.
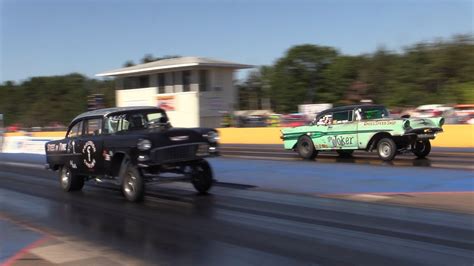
{"type": "Point", "coordinates": [176, 153]}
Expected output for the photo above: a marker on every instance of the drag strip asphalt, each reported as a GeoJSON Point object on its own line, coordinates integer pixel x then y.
{"type": "Point", "coordinates": [451, 158]}
{"type": "Point", "coordinates": [241, 225]}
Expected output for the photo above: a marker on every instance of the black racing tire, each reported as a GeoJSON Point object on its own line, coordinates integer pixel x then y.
{"type": "Point", "coordinates": [345, 153]}
{"type": "Point", "coordinates": [421, 148]}
{"type": "Point", "coordinates": [202, 177]}
{"type": "Point", "coordinates": [386, 149]}
{"type": "Point", "coordinates": [305, 148]}
{"type": "Point", "coordinates": [70, 181]}
{"type": "Point", "coordinates": [133, 185]}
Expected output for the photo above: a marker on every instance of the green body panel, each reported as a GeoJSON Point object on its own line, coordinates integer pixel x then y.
{"type": "Point", "coordinates": [355, 135]}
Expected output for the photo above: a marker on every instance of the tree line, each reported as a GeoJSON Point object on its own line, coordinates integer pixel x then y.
{"type": "Point", "coordinates": [440, 71]}
{"type": "Point", "coordinates": [40, 101]}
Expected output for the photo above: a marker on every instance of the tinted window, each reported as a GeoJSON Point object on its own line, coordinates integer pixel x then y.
{"type": "Point", "coordinates": [133, 121]}
{"type": "Point", "coordinates": [374, 113]}
{"type": "Point", "coordinates": [161, 83]}
{"type": "Point", "coordinates": [93, 127]}
{"type": "Point", "coordinates": [202, 80]}
{"type": "Point", "coordinates": [186, 80]}
{"type": "Point", "coordinates": [75, 131]}
{"type": "Point", "coordinates": [144, 81]}
{"type": "Point", "coordinates": [341, 117]}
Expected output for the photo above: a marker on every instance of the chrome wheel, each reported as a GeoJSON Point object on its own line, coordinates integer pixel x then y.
{"type": "Point", "coordinates": [385, 149]}
{"type": "Point", "coordinates": [69, 181]}
{"type": "Point", "coordinates": [133, 186]}
{"type": "Point", "coordinates": [65, 178]}
{"type": "Point", "coordinates": [130, 185]}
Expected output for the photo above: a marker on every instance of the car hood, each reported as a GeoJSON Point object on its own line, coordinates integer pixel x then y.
{"type": "Point", "coordinates": [171, 136]}
{"type": "Point", "coordinates": [422, 123]}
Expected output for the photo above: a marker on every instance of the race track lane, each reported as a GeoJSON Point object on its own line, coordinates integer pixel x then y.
{"type": "Point", "coordinates": [175, 226]}
{"type": "Point", "coordinates": [453, 158]}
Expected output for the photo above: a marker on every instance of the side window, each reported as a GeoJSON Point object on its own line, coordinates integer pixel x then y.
{"type": "Point", "coordinates": [116, 123]}
{"type": "Point", "coordinates": [93, 127]}
{"type": "Point", "coordinates": [325, 120]}
{"type": "Point", "coordinates": [342, 117]}
{"type": "Point", "coordinates": [75, 131]}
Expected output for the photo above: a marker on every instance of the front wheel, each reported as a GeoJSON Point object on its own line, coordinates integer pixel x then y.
{"type": "Point", "coordinates": [421, 148]}
{"type": "Point", "coordinates": [133, 186]}
{"type": "Point", "coordinates": [69, 181]}
{"type": "Point", "coordinates": [306, 149]}
{"type": "Point", "coordinates": [386, 149]}
{"type": "Point", "coordinates": [201, 176]}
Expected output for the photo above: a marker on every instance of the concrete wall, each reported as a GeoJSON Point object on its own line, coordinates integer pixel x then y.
{"type": "Point", "coordinates": [186, 105]}
{"type": "Point", "coordinates": [136, 97]}
{"type": "Point", "coordinates": [460, 136]}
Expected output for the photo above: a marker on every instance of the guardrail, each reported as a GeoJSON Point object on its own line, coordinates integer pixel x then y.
{"type": "Point", "coordinates": [456, 136]}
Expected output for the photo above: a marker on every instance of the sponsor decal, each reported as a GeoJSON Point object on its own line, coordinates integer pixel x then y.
{"type": "Point", "coordinates": [338, 141]}
{"type": "Point", "coordinates": [179, 138]}
{"type": "Point", "coordinates": [56, 147]}
{"type": "Point", "coordinates": [379, 123]}
{"type": "Point", "coordinates": [89, 151]}
{"type": "Point", "coordinates": [166, 103]}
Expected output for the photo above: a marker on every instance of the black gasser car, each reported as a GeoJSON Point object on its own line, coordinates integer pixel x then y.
{"type": "Point", "coordinates": [130, 146]}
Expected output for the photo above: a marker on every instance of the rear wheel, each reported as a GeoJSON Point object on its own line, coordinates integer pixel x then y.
{"type": "Point", "coordinates": [133, 186]}
{"type": "Point", "coordinates": [386, 149]}
{"type": "Point", "coordinates": [345, 153]}
{"type": "Point", "coordinates": [306, 149]}
{"type": "Point", "coordinates": [421, 148]}
{"type": "Point", "coordinates": [201, 176]}
{"type": "Point", "coordinates": [69, 181]}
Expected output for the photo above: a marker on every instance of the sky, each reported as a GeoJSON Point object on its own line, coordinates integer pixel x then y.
{"type": "Point", "coordinates": [55, 37]}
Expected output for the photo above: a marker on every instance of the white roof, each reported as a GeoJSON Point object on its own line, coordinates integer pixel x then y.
{"type": "Point", "coordinates": [173, 63]}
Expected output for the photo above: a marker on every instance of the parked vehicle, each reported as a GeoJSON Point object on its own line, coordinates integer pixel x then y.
{"type": "Point", "coordinates": [293, 120]}
{"type": "Point", "coordinates": [131, 146]}
{"type": "Point", "coordinates": [363, 127]}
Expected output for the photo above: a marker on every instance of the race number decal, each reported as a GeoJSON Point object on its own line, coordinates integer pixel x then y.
{"type": "Point", "coordinates": [89, 151]}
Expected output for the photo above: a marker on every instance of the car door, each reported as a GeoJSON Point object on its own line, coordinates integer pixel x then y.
{"type": "Point", "coordinates": [71, 154]}
{"type": "Point", "coordinates": [90, 145]}
{"type": "Point", "coordinates": [319, 132]}
{"type": "Point", "coordinates": [342, 131]}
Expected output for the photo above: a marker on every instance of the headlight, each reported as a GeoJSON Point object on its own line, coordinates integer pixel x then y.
{"type": "Point", "coordinates": [441, 122]}
{"type": "Point", "coordinates": [144, 144]}
{"type": "Point", "coordinates": [212, 136]}
{"type": "Point", "coordinates": [406, 124]}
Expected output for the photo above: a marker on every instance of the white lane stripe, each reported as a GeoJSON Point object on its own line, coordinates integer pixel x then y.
{"type": "Point", "coordinates": [27, 165]}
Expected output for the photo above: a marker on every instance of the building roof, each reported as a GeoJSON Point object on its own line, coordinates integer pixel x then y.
{"type": "Point", "coordinates": [107, 111]}
{"type": "Point", "coordinates": [172, 63]}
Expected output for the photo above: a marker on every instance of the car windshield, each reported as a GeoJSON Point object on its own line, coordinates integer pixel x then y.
{"type": "Point", "coordinates": [135, 121]}
{"type": "Point", "coordinates": [368, 113]}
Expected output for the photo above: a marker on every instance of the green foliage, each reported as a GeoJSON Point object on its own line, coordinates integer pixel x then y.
{"type": "Point", "coordinates": [40, 101]}
{"type": "Point", "coordinates": [436, 72]}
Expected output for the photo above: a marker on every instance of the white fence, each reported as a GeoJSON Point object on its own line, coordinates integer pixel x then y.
{"type": "Point", "coordinates": [25, 144]}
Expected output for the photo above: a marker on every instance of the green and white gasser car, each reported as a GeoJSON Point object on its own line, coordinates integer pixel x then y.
{"type": "Point", "coordinates": [363, 127]}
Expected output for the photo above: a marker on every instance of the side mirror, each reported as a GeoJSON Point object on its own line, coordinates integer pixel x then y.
{"type": "Point", "coordinates": [406, 116]}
